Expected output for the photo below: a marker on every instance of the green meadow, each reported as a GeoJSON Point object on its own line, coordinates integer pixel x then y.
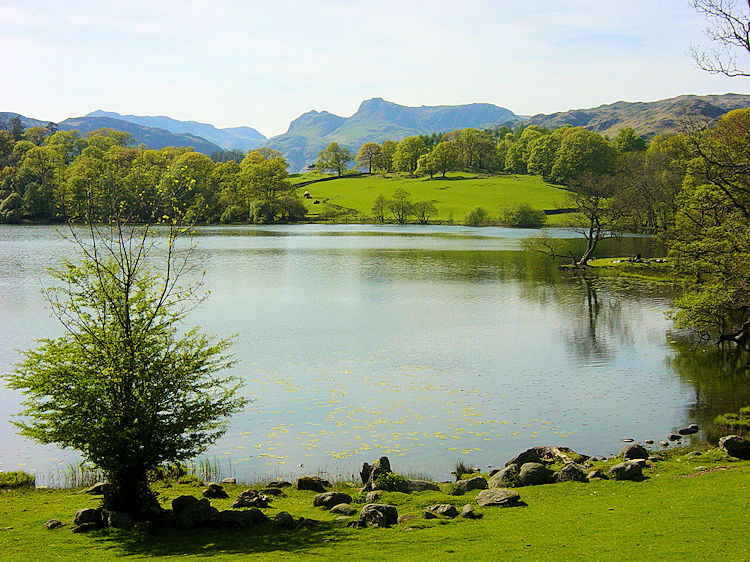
{"type": "Point", "coordinates": [686, 508]}
{"type": "Point", "coordinates": [454, 196]}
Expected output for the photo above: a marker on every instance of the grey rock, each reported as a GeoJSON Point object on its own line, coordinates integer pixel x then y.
{"type": "Point", "coordinates": [343, 509]}
{"type": "Point", "coordinates": [532, 474]}
{"type": "Point", "coordinates": [441, 510]}
{"type": "Point", "coordinates": [272, 492]}
{"type": "Point", "coordinates": [370, 472]}
{"type": "Point", "coordinates": [505, 478]}
{"type": "Point", "coordinates": [476, 483]}
{"type": "Point", "coordinates": [664, 443]}
{"type": "Point", "coordinates": [304, 522]}
{"type": "Point", "coordinates": [674, 437]}
{"type": "Point", "coordinates": [240, 519]}
{"type": "Point", "coordinates": [529, 455]}
{"type": "Point", "coordinates": [654, 458]}
{"type": "Point", "coordinates": [312, 483]}
{"type": "Point", "coordinates": [329, 499]}
{"type": "Point", "coordinates": [634, 451]}
{"type": "Point", "coordinates": [571, 472]}
{"type": "Point", "coordinates": [649, 441]}
{"type": "Point", "coordinates": [687, 430]}
{"type": "Point", "coordinates": [215, 491]}
{"type": "Point", "coordinates": [694, 426]}
{"type": "Point", "coordinates": [373, 497]}
{"type": "Point", "coordinates": [229, 481]}
{"type": "Point", "coordinates": [97, 489]}
{"type": "Point", "coordinates": [284, 520]}
{"type": "Point", "coordinates": [735, 446]}
{"type": "Point", "coordinates": [118, 519]}
{"type": "Point", "coordinates": [183, 502]}
{"type": "Point", "coordinates": [628, 470]}
{"type": "Point", "coordinates": [199, 514]}
{"type": "Point", "coordinates": [420, 486]}
{"type": "Point", "coordinates": [279, 484]}
{"type": "Point", "coordinates": [89, 515]}
{"type": "Point", "coordinates": [251, 498]}
{"type": "Point", "coordinates": [597, 474]}
{"type": "Point", "coordinates": [378, 515]}
{"type": "Point", "coordinates": [406, 517]}
{"type": "Point", "coordinates": [498, 497]}
{"type": "Point", "coordinates": [468, 512]}
{"type": "Point", "coordinates": [694, 454]}
{"type": "Point", "coordinates": [86, 527]}
{"type": "Point", "coordinates": [53, 524]}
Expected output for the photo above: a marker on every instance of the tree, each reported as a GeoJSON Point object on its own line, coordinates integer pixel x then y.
{"type": "Point", "coordinates": [15, 127]}
{"type": "Point", "coordinates": [423, 211]}
{"type": "Point", "coordinates": [444, 157]}
{"type": "Point", "coordinates": [124, 385]}
{"type": "Point", "coordinates": [407, 154]}
{"type": "Point", "coordinates": [582, 153]}
{"type": "Point", "coordinates": [383, 162]}
{"type": "Point", "coordinates": [263, 174]}
{"type": "Point", "coordinates": [728, 26]}
{"type": "Point", "coordinates": [627, 141]}
{"type": "Point", "coordinates": [379, 208]}
{"type": "Point", "coordinates": [368, 154]}
{"type": "Point", "coordinates": [333, 157]}
{"type": "Point", "coordinates": [400, 206]}
{"type": "Point", "coordinates": [426, 165]}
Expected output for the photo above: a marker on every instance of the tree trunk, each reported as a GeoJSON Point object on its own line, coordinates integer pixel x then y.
{"type": "Point", "coordinates": [129, 491]}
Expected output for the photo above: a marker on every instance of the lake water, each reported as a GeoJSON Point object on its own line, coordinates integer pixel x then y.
{"type": "Point", "coordinates": [425, 344]}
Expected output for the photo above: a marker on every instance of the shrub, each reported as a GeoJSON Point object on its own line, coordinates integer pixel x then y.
{"type": "Point", "coordinates": [477, 217]}
{"type": "Point", "coordinates": [390, 482]}
{"type": "Point", "coordinates": [233, 213]}
{"type": "Point", "coordinates": [16, 479]}
{"type": "Point", "coordinates": [523, 216]}
{"type": "Point", "coordinates": [291, 209]}
{"type": "Point", "coordinates": [735, 422]}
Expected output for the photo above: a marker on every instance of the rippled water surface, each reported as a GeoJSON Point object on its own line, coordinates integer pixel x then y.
{"type": "Point", "coordinates": [426, 344]}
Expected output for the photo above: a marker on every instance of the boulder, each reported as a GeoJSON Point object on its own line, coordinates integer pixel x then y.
{"type": "Point", "coordinates": [547, 454]}
{"type": "Point", "coordinates": [674, 437]}
{"type": "Point", "coordinates": [420, 486]}
{"type": "Point", "coordinates": [118, 519]}
{"type": "Point", "coordinates": [664, 443]}
{"type": "Point", "coordinates": [406, 517]}
{"type": "Point", "coordinates": [53, 524]}
{"type": "Point", "coordinates": [215, 491]}
{"type": "Point", "coordinates": [689, 430]}
{"type": "Point", "coordinates": [505, 478]}
{"type": "Point", "coordinates": [86, 527]}
{"type": "Point", "coordinates": [571, 472]}
{"type": "Point", "coordinates": [284, 520]}
{"type": "Point", "coordinates": [534, 473]}
{"type": "Point", "coordinates": [634, 451]}
{"type": "Point", "coordinates": [597, 474]}
{"type": "Point", "coordinates": [199, 514]}
{"type": "Point", "coordinates": [373, 497]}
{"type": "Point", "coordinates": [240, 519]}
{"type": "Point", "coordinates": [181, 503]}
{"type": "Point", "coordinates": [229, 481]}
{"type": "Point", "coordinates": [529, 455]}
{"type": "Point", "coordinates": [498, 497]}
{"type": "Point", "coordinates": [97, 489]}
{"type": "Point", "coordinates": [377, 515]}
{"type": "Point", "coordinates": [628, 470]}
{"type": "Point", "coordinates": [343, 509]}
{"type": "Point", "coordinates": [649, 441]}
{"type": "Point", "coordinates": [476, 483]}
{"type": "Point", "coordinates": [312, 483]}
{"type": "Point", "coordinates": [275, 492]}
{"type": "Point", "coordinates": [444, 510]}
{"type": "Point", "coordinates": [735, 446]}
{"type": "Point", "coordinates": [329, 499]}
{"type": "Point", "coordinates": [89, 515]}
{"type": "Point", "coordinates": [694, 454]}
{"type": "Point", "coordinates": [251, 498]}
{"type": "Point", "coordinates": [279, 484]}
{"type": "Point", "coordinates": [370, 472]}
{"type": "Point", "coordinates": [468, 512]}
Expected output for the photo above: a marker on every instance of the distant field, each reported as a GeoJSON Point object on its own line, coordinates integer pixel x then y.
{"type": "Point", "coordinates": [455, 196]}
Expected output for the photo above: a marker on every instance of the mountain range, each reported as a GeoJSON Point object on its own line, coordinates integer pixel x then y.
{"type": "Point", "coordinates": [377, 120]}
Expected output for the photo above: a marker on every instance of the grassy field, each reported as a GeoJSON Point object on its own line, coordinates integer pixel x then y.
{"type": "Point", "coordinates": [455, 196]}
{"type": "Point", "coordinates": [679, 512]}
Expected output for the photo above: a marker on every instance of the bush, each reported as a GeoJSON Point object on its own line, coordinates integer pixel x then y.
{"type": "Point", "coordinates": [523, 216]}
{"type": "Point", "coordinates": [233, 213]}
{"type": "Point", "coordinates": [16, 479]}
{"type": "Point", "coordinates": [477, 217]}
{"type": "Point", "coordinates": [735, 422]}
{"type": "Point", "coordinates": [263, 211]}
{"type": "Point", "coordinates": [390, 482]}
{"type": "Point", "coordinates": [291, 209]}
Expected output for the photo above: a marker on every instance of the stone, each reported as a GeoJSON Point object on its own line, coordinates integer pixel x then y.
{"type": "Point", "coordinates": [627, 440]}
{"type": "Point", "coordinates": [272, 492]}
{"type": "Point", "coordinates": [97, 489]}
{"type": "Point", "coordinates": [445, 510]}
{"type": "Point", "coordinates": [370, 472]}
{"type": "Point", "coordinates": [251, 498]}
{"type": "Point", "coordinates": [304, 522]}
{"type": "Point", "coordinates": [284, 520]}
{"type": "Point", "coordinates": [597, 474]}
{"type": "Point", "coordinates": [118, 519]}
{"type": "Point", "coordinates": [664, 443]}
{"type": "Point", "coordinates": [420, 486]}
{"type": "Point", "coordinates": [312, 483]}
{"type": "Point", "coordinates": [533, 473]}
{"type": "Point", "coordinates": [181, 503]}
{"type": "Point", "coordinates": [377, 515]}
{"type": "Point", "coordinates": [53, 524]}
{"type": "Point", "coordinates": [215, 491]}
{"type": "Point", "coordinates": [373, 497]}
{"type": "Point", "coordinates": [406, 517]}
{"type": "Point", "coordinates": [498, 497]}
{"type": "Point", "coordinates": [674, 437]}
{"type": "Point", "coordinates": [476, 483]}
{"type": "Point", "coordinates": [654, 458]}
{"type": "Point", "coordinates": [649, 441]}
{"type": "Point", "coordinates": [279, 484]}
{"type": "Point", "coordinates": [329, 499]}
{"type": "Point", "coordinates": [687, 430]}
{"type": "Point", "coordinates": [735, 446]}
{"type": "Point", "coordinates": [694, 454]}
{"type": "Point", "coordinates": [634, 451]}
{"type": "Point", "coordinates": [529, 455]}
{"type": "Point", "coordinates": [343, 509]}
{"type": "Point", "coordinates": [468, 512]}
{"type": "Point", "coordinates": [694, 426]}
{"type": "Point", "coordinates": [229, 481]}
{"type": "Point", "coordinates": [240, 519]}
{"type": "Point", "coordinates": [628, 470]}
{"type": "Point", "coordinates": [571, 472]}
{"type": "Point", "coordinates": [505, 478]}
{"type": "Point", "coordinates": [88, 516]}
{"type": "Point", "coordinates": [86, 527]}
{"type": "Point", "coordinates": [199, 514]}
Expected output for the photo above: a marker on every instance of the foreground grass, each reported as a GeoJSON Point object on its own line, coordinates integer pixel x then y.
{"type": "Point", "coordinates": [676, 513]}
{"type": "Point", "coordinates": [454, 197]}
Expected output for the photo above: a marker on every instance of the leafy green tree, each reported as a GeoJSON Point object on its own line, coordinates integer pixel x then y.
{"type": "Point", "coordinates": [426, 165]}
{"type": "Point", "coordinates": [444, 157]}
{"type": "Point", "coordinates": [379, 207]}
{"type": "Point", "coordinates": [582, 153]}
{"type": "Point", "coordinates": [627, 141]}
{"type": "Point", "coordinates": [263, 175]}
{"type": "Point", "coordinates": [125, 385]}
{"type": "Point", "coordinates": [423, 211]}
{"type": "Point", "coordinates": [542, 155]}
{"type": "Point", "coordinates": [15, 127]}
{"type": "Point", "coordinates": [383, 162]}
{"type": "Point", "coordinates": [400, 206]}
{"type": "Point", "coordinates": [477, 217]}
{"type": "Point", "coordinates": [334, 157]}
{"type": "Point", "coordinates": [367, 155]}
{"type": "Point", "coordinates": [522, 215]}
{"type": "Point", "coordinates": [407, 154]}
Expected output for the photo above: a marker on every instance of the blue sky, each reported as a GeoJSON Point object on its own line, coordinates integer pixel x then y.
{"type": "Point", "coordinates": [262, 64]}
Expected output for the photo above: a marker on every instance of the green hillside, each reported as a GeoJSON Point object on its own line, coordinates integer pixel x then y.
{"type": "Point", "coordinates": [454, 196]}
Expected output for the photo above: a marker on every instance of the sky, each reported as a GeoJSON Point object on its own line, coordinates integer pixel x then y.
{"type": "Point", "coordinates": [262, 64]}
